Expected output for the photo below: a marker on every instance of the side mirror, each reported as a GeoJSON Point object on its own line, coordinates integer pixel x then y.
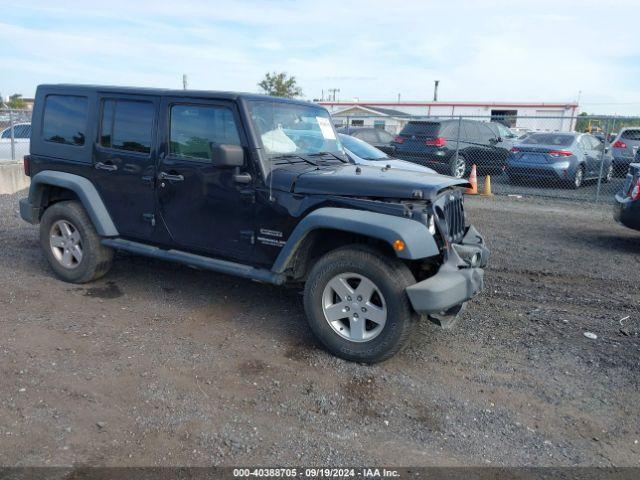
{"type": "Point", "coordinates": [225, 155]}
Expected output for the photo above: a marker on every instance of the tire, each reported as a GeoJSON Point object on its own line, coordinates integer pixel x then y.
{"type": "Point", "coordinates": [68, 222]}
{"type": "Point", "coordinates": [578, 178]}
{"type": "Point", "coordinates": [374, 341]}
{"type": "Point", "coordinates": [608, 174]}
{"type": "Point", "coordinates": [458, 166]}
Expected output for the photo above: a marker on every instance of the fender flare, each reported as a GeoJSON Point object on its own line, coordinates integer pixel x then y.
{"type": "Point", "coordinates": [419, 243]}
{"type": "Point", "coordinates": [83, 188]}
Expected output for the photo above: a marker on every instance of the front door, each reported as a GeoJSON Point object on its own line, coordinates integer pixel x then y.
{"type": "Point", "coordinates": [124, 162]}
{"type": "Point", "coordinates": [202, 206]}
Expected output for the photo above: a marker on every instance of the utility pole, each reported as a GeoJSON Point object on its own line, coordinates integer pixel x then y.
{"type": "Point", "coordinates": [398, 98]}
{"type": "Point", "coordinates": [332, 93]}
{"type": "Point", "coordinates": [435, 90]}
{"type": "Point", "coordinates": [184, 81]}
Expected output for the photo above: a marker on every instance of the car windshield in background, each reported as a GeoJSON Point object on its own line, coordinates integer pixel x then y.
{"type": "Point", "coordinates": [421, 128]}
{"type": "Point", "coordinates": [362, 149]}
{"type": "Point", "coordinates": [292, 129]}
{"type": "Point", "coordinates": [549, 139]}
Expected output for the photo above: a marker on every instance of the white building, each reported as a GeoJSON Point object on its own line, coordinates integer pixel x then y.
{"type": "Point", "coordinates": [392, 116]}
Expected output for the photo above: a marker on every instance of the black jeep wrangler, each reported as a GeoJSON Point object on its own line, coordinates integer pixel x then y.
{"type": "Point", "coordinates": [253, 186]}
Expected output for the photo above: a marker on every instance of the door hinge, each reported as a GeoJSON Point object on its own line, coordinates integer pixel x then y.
{"type": "Point", "coordinates": [248, 235]}
{"type": "Point", "coordinates": [149, 217]}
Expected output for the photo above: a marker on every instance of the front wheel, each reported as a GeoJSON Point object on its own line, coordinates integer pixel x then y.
{"type": "Point", "coordinates": [356, 304]}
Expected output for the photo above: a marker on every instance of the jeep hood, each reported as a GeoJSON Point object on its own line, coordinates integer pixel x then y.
{"type": "Point", "coordinates": [362, 181]}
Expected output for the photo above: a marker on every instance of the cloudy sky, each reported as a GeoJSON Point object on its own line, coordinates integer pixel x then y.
{"type": "Point", "coordinates": [490, 50]}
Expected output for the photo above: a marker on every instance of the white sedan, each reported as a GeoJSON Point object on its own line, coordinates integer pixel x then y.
{"type": "Point", "coordinates": [21, 136]}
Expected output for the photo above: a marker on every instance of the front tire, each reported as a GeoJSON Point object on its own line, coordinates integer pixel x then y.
{"type": "Point", "coordinates": [356, 304]}
{"type": "Point", "coordinates": [72, 245]}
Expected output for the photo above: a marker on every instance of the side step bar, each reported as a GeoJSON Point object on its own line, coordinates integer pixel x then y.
{"type": "Point", "coordinates": [198, 261]}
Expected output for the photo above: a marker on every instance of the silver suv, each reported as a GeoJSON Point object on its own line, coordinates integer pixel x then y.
{"type": "Point", "coordinates": [624, 149]}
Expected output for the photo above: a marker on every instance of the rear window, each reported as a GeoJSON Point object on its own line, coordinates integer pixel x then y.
{"type": "Point", "coordinates": [65, 119]}
{"type": "Point", "coordinates": [429, 129]}
{"type": "Point", "coordinates": [631, 135]}
{"type": "Point", "coordinates": [549, 139]}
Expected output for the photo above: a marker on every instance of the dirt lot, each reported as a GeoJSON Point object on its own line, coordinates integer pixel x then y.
{"type": "Point", "coordinates": [158, 364]}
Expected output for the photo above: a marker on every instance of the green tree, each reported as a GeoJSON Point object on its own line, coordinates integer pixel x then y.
{"type": "Point", "coordinates": [16, 101]}
{"type": "Point", "coordinates": [280, 85]}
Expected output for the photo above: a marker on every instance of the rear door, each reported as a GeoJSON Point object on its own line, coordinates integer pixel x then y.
{"type": "Point", "coordinates": [202, 206]}
{"type": "Point", "coordinates": [124, 160]}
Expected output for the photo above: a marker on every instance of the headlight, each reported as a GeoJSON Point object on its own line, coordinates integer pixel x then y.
{"type": "Point", "coordinates": [431, 225]}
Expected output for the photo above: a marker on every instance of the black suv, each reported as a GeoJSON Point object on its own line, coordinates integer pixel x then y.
{"type": "Point", "coordinates": [434, 143]}
{"type": "Point", "coordinates": [253, 186]}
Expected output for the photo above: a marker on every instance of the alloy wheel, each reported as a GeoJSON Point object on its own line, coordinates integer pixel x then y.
{"type": "Point", "coordinates": [460, 166]}
{"type": "Point", "coordinates": [354, 307]}
{"type": "Point", "coordinates": [577, 181]}
{"type": "Point", "coordinates": [66, 244]}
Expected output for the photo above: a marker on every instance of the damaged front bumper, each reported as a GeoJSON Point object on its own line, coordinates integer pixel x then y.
{"type": "Point", "coordinates": [460, 277]}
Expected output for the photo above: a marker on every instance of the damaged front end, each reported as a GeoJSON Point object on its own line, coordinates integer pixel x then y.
{"type": "Point", "coordinates": [460, 275]}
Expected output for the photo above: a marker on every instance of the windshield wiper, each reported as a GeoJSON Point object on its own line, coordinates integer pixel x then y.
{"type": "Point", "coordinates": [323, 154]}
{"type": "Point", "coordinates": [289, 156]}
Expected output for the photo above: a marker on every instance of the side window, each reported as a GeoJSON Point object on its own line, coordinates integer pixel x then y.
{"type": "Point", "coordinates": [595, 143]}
{"type": "Point", "coordinates": [7, 133]}
{"type": "Point", "coordinates": [127, 125]}
{"type": "Point", "coordinates": [194, 129]}
{"type": "Point", "coordinates": [27, 131]}
{"type": "Point", "coordinates": [473, 132]}
{"type": "Point", "coordinates": [65, 119]}
{"type": "Point", "coordinates": [486, 133]}
{"type": "Point", "coordinates": [584, 143]}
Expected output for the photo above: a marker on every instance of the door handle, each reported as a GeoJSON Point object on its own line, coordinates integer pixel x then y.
{"type": "Point", "coordinates": [171, 177]}
{"type": "Point", "coordinates": [109, 167]}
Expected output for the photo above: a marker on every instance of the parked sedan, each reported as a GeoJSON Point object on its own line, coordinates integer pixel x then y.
{"type": "Point", "coordinates": [364, 154]}
{"type": "Point", "coordinates": [568, 157]}
{"type": "Point", "coordinates": [379, 138]}
{"type": "Point", "coordinates": [627, 209]}
{"type": "Point", "coordinates": [21, 136]}
{"type": "Point", "coordinates": [624, 148]}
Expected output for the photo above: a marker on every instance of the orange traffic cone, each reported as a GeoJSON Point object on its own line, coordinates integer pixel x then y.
{"type": "Point", "coordinates": [473, 180]}
{"type": "Point", "coordinates": [487, 187]}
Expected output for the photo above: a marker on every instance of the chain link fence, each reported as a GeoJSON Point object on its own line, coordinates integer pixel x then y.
{"type": "Point", "coordinates": [581, 158]}
{"type": "Point", "coordinates": [15, 131]}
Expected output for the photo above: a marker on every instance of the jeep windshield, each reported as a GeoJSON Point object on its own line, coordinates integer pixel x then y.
{"type": "Point", "coordinates": [292, 132]}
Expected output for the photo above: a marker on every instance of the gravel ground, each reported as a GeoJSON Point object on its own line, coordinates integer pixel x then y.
{"type": "Point", "coordinates": [158, 364]}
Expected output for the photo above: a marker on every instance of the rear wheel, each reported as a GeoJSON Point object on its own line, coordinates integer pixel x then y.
{"type": "Point", "coordinates": [356, 304]}
{"type": "Point", "coordinates": [578, 178]}
{"type": "Point", "coordinates": [72, 245]}
{"type": "Point", "coordinates": [608, 175]}
{"type": "Point", "coordinates": [458, 166]}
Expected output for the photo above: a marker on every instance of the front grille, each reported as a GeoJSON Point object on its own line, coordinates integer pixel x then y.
{"type": "Point", "coordinates": [454, 215]}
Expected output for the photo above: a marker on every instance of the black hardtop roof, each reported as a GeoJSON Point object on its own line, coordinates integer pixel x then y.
{"type": "Point", "coordinates": [167, 92]}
